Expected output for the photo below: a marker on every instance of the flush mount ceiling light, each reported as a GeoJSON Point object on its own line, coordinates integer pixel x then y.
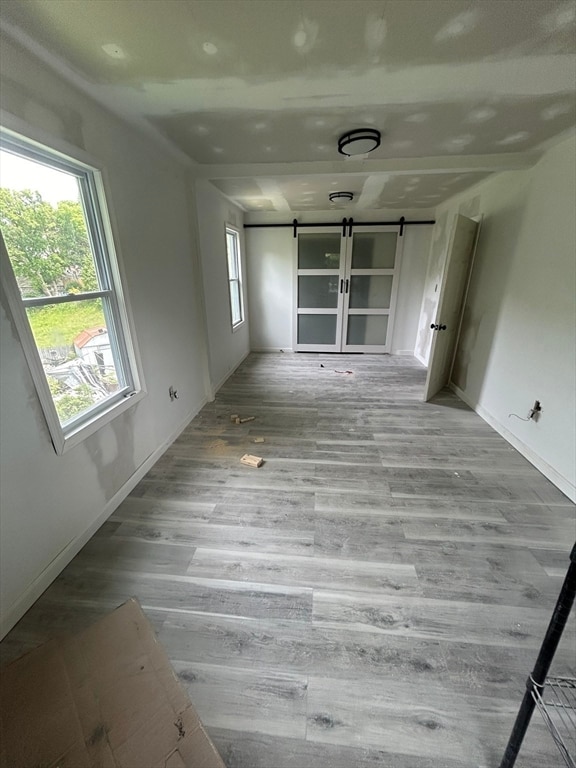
{"type": "Point", "coordinates": [359, 142]}
{"type": "Point", "coordinates": [336, 196]}
{"type": "Point", "coordinates": [114, 51]}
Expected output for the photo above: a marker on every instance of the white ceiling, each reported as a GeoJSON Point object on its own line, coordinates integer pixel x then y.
{"type": "Point", "coordinates": [257, 92]}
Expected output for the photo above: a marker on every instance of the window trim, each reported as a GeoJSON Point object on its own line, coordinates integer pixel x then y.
{"type": "Point", "coordinates": [229, 228]}
{"type": "Point", "coordinates": [12, 130]}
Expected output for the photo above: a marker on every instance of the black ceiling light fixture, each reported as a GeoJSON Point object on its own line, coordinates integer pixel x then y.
{"type": "Point", "coordinates": [336, 197]}
{"type": "Point", "coordinates": [359, 141]}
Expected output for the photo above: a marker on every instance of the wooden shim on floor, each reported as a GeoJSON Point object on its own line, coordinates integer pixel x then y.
{"type": "Point", "coordinates": [259, 440]}
{"type": "Point", "coordinates": [251, 461]}
{"type": "Point", "coordinates": [237, 420]}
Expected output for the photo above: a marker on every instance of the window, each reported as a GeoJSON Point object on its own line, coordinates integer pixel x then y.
{"type": "Point", "coordinates": [62, 283]}
{"type": "Point", "coordinates": [234, 276]}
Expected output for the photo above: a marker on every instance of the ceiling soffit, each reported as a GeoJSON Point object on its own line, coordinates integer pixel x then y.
{"type": "Point", "coordinates": [238, 82]}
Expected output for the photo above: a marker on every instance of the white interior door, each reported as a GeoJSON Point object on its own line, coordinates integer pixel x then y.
{"type": "Point", "coordinates": [446, 323]}
{"type": "Point", "coordinates": [370, 289]}
{"type": "Point", "coordinates": [319, 290]}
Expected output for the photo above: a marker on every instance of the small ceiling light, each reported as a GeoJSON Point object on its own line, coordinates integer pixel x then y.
{"type": "Point", "coordinates": [335, 197]}
{"type": "Point", "coordinates": [210, 48]}
{"type": "Point", "coordinates": [359, 141]}
{"type": "Point", "coordinates": [114, 51]}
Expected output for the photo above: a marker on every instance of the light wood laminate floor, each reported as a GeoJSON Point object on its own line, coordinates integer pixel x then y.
{"type": "Point", "coordinates": [374, 595]}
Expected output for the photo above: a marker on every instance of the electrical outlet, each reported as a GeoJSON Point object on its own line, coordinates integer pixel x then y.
{"type": "Point", "coordinates": [173, 393]}
{"type": "Point", "coordinates": [535, 411]}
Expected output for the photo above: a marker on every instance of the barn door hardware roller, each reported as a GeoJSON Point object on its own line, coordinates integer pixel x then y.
{"type": "Point", "coordinates": [438, 327]}
{"type": "Point", "coordinates": [346, 225]}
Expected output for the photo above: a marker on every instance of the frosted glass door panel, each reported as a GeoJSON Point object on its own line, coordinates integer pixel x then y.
{"type": "Point", "coordinates": [367, 330]}
{"type": "Point", "coordinates": [370, 291]}
{"type": "Point", "coordinates": [317, 329]}
{"type": "Point", "coordinates": [318, 291]}
{"type": "Point", "coordinates": [374, 250]}
{"type": "Point", "coordinates": [316, 251]}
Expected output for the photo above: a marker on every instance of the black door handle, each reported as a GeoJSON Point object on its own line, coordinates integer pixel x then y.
{"type": "Point", "coordinates": [347, 281]}
{"type": "Point", "coordinates": [341, 285]}
{"type": "Point", "coordinates": [438, 327]}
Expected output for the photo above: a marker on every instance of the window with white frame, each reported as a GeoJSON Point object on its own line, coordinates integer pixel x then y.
{"type": "Point", "coordinates": [234, 276]}
{"type": "Point", "coordinates": [62, 282]}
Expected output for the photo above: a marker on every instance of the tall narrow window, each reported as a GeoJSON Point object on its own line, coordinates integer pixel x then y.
{"type": "Point", "coordinates": [62, 281]}
{"type": "Point", "coordinates": [234, 276]}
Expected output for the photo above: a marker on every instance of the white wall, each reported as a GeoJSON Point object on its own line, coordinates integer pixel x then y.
{"type": "Point", "coordinates": [270, 257]}
{"type": "Point", "coordinates": [227, 347]}
{"type": "Point", "coordinates": [50, 504]}
{"type": "Point", "coordinates": [518, 340]}
{"type": "Point", "coordinates": [271, 279]}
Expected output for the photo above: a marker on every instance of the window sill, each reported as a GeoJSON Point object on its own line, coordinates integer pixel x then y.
{"type": "Point", "coordinates": [63, 443]}
{"type": "Point", "coordinates": [238, 326]}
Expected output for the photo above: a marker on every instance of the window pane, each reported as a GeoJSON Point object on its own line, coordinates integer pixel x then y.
{"type": "Point", "coordinates": [233, 261]}
{"type": "Point", "coordinates": [367, 329]}
{"type": "Point", "coordinates": [232, 254]}
{"type": "Point", "coordinates": [317, 251]}
{"type": "Point", "coordinates": [374, 250]}
{"type": "Point", "coordinates": [317, 329]}
{"type": "Point", "coordinates": [370, 291]}
{"type": "Point", "coordinates": [77, 353]}
{"type": "Point", "coordinates": [235, 302]}
{"type": "Point", "coordinates": [44, 228]}
{"type": "Point", "coordinates": [318, 291]}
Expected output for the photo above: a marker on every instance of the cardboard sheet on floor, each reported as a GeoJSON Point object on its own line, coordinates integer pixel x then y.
{"type": "Point", "coordinates": [106, 697]}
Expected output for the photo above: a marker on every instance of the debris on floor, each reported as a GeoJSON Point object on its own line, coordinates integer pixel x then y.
{"type": "Point", "coordinates": [259, 440]}
{"type": "Point", "coordinates": [335, 371]}
{"type": "Point", "coordinates": [252, 461]}
{"type": "Point", "coordinates": [321, 365]}
{"type": "Point", "coordinates": [238, 420]}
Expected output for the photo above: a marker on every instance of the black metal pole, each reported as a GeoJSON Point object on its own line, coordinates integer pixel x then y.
{"type": "Point", "coordinates": [299, 225]}
{"type": "Point", "coordinates": [547, 650]}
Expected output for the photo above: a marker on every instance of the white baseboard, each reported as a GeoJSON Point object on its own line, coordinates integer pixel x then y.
{"type": "Point", "coordinates": [57, 565]}
{"type": "Point", "coordinates": [405, 352]}
{"type": "Point", "coordinates": [420, 359]}
{"type": "Point", "coordinates": [548, 471]}
{"type": "Point", "coordinates": [230, 372]}
{"type": "Point", "coordinates": [271, 349]}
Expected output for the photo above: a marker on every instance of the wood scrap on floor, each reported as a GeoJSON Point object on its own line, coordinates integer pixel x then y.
{"type": "Point", "coordinates": [252, 461]}
{"type": "Point", "coordinates": [236, 419]}
{"type": "Point", "coordinates": [259, 440]}
{"type": "Point", "coordinates": [335, 371]}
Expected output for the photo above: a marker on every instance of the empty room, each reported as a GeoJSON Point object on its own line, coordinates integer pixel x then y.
{"type": "Point", "coordinates": [288, 383]}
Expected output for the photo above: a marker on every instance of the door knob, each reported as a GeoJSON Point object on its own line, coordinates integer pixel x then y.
{"type": "Point", "coordinates": [438, 327]}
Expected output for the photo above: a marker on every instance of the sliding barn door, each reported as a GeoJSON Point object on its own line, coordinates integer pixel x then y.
{"type": "Point", "coordinates": [370, 288]}
{"type": "Point", "coordinates": [345, 291]}
{"type": "Point", "coordinates": [319, 290]}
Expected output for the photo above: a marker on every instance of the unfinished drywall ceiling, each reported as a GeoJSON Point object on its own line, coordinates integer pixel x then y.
{"type": "Point", "coordinates": [236, 82]}
{"type": "Point", "coordinates": [384, 190]}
